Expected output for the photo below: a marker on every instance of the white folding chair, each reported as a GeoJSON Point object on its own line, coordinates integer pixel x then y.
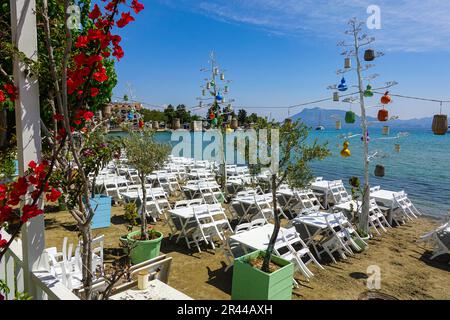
{"type": "Point", "coordinates": [404, 205]}
{"type": "Point", "coordinates": [299, 250]}
{"type": "Point", "coordinates": [377, 218]}
{"type": "Point", "coordinates": [338, 192]}
{"type": "Point", "coordinates": [439, 239]}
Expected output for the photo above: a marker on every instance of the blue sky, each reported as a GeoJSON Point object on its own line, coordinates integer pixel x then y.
{"type": "Point", "coordinates": [282, 53]}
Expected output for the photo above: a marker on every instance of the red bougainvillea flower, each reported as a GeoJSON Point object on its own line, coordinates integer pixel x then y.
{"type": "Point", "coordinates": [124, 20]}
{"type": "Point", "coordinates": [54, 195]}
{"type": "Point", "coordinates": [5, 213]}
{"type": "Point", "coordinates": [82, 42]}
{"type": "Point", "coordinates": [137, 7]}
{"type": "Point", "coordinates": [58, 117]}
{"type": "Point", "coordinates": [30, 211]}
{"type": "Point", "coordinates": [77, 122]}
{"type": "Point", "coordinates": [3, 190]}
{"type": "Point", "coordinates": [100, 76]}
{"type": "Point", "coordinates": [11, 90]}
{"type": "Point", "coordinates": [88, 115]}
{"type": "Point", "coordinates": [118, 53]}
{"type": "Point", "coordinates": [1, 296]}
{"type": "Point", "coordinates": [95, 13]}
{"type": "Point", "coordinates": [2, 96]}
{"type": "Point", "coordinates": [3, 244]}
{"type": "Point", "coordinates": [94, 92]}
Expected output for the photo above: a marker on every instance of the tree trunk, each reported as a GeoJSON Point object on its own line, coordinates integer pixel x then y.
{"type": "Point", "coordinates": [86, 253]}
{"type": "Point", "coordinates": [143, 210]}
{"type": "Point", "coordinates": [276, 230]}
{"type": "Point", "coordinates": [364, 215]}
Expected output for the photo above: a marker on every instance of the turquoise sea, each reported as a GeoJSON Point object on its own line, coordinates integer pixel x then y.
{"type": "Point", "coordinates": [421, 168]}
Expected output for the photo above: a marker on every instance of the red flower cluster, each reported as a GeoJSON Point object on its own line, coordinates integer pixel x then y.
{"type": "Point", "coordinates": [9, 92]}
{"type": "Point", "coordinates": [95, 45]}
{"type": "Point", "coordinates": [28, 186]}
{"type": "Point", "coordinates": [3, 243]}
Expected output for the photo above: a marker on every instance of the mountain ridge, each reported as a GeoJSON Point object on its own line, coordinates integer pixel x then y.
{"type": "Point", "coordinates": [315, 116]}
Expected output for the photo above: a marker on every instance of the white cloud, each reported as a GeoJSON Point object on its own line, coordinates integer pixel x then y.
{"type": "Point", "coordinates": [407, 25]}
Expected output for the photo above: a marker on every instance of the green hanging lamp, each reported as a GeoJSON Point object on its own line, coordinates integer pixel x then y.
{"type": "Point", "coordinates": [368, 93]}
{"type": "Point", "coordinates": [350, 117]}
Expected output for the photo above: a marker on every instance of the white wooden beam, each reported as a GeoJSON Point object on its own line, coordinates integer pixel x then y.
{"type": "Point", "coordinates": [24, 37]}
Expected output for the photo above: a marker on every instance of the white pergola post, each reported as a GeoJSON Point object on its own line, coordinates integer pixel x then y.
{"type": "Point", "coordinates": [24, 37]}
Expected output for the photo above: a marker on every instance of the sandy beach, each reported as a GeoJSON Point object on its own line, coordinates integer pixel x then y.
{"type": "Point", "coordinates": [406, 271]}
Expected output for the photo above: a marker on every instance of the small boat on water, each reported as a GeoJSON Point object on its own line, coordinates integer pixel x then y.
{"type": "Point", "coordinates": [320, 128]}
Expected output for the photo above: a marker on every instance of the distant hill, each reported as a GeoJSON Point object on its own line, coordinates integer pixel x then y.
{"type": "Point", "coordinates": [311, 118]}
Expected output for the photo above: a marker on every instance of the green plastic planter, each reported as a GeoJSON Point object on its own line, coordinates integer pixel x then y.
{"type": "Point", "coordinates": [252, 284]}
{"type": "Point", "coordinates": [144, 250]}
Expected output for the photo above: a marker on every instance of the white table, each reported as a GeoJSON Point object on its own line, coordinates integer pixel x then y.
{"type": "Point", "coordinates": [192, 190]}
{"type": "Point", "coordinates": [258, 238]}
{"type": "Point", "coordinates": [322, 187]}
{"type": "Point", "coordinates": [186, 216]}
{"type": "Point", "coordinates": [386, 199]}
{"type": "Point", "coordinates": [157, 290]}
{"type": "Point", "coordinates": [248, 204]}
{"type": "Point", "coordinates": [316, 221]}
{"type": "Point", "coordinates": [349, 206]}
{"type": "Point", "coordinates": [133, 196]}
{"type": "Point", "coordinates": [110, 180]}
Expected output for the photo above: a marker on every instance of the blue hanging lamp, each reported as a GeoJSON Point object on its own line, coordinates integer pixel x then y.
{"type": "Point", "coordinates": [343, 85]}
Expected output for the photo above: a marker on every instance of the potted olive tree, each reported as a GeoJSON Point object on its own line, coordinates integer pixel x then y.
{"type": "Point", "coordinates": [260, 275]}
{"type": "Point", "coordinates": [146, 156]}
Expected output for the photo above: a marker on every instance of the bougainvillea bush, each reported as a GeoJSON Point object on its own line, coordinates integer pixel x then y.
{"type": "Point", "coordinates": [75, 65]}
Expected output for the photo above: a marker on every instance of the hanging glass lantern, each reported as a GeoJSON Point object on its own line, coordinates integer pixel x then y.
{"type": "Point", "coordinates": [216, 71]}
{"type": "Point", "coordinates": [336, 96]}
{"type": "Point", "coordinates": [386, 130]}
{"type": "Point", "coordinates": [368, 92]}
{"type": "Point", "coordinates": [347, 63]}
{"type": "Point", "coordinates": [350, 117]}
{"type": "Point", "coordinates": [440, 124]}
{"type": "Point", "coordinates": [219, 97]}
{"type": "Point", "coordinates": [397, 148]}
{"type": "Point", "coordinates": [369, 55]}
{"type": "Point", "coordinates": [386, 98]}
{"type": "Point", "coordinates": [383, 115]}
{"type": "Point", "coordinates": [225, 89]}
{"type": "Point", "coordinates": [338, 125]}
{"type": "Point", "coordinates": [345, 152]}
{"type": "Point", "coordinates": [200, 104]}
{"type": "Point", "coordinates": [208, 85]}
{"type": "Point", "coordinates": [379, 171]}
{"type": "Point", "coordinates": [213, 84]}
{"type": "Point", "coordinates": [203, 92]}
{"type": "Point", "coordinates": [343, 85]}
{"type": "Point", "coordinates": [222, 76]}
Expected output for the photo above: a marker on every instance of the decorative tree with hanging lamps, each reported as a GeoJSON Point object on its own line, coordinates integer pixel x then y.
{"type": "Point", "coordinates": [360, 41]}
{"type": "Point", "coordinates": [220, 109]}
{"type": "Point", "coordinates": [214, 93]}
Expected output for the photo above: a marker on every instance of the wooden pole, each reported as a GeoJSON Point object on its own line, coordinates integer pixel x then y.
{"type": "Point", "coordinates": [24, 37]}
